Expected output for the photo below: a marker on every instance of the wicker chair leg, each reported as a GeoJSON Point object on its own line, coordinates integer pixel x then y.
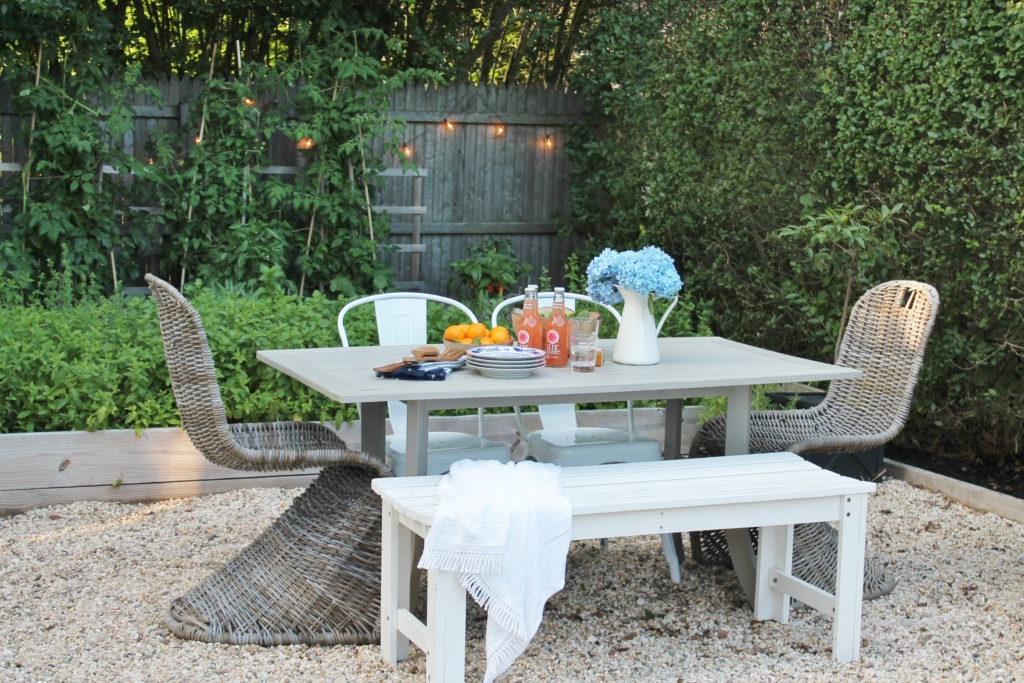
{"type": "Point", "coordinates": [313, 577]}
{"type": "Point", "coordinates": [815, 551]}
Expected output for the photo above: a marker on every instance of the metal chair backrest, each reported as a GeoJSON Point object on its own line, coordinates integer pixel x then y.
{"type": "Point", "coordinates": [193, 377]}
{"type": "Point", "coordinates": [401, 320]}
{"type": "Point", "coordinates": [561, 415]}
{"type": "Point", "coordinates": [886, 337]}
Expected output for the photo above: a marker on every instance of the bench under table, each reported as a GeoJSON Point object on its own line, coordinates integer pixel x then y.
{"type": "Point", "coordinates": [772, 491]}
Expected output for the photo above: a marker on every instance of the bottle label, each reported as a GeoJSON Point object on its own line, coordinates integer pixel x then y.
{"type": "Point", "coordinates": [524, 337]}
{"type": "Point", "coordinates": [552, 337]}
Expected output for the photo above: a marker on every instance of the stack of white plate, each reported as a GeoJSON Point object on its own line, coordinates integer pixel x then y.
{"type": "Point", "coordinates": [505, 362]}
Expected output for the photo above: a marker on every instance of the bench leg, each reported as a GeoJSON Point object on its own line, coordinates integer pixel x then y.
{"type": "Point", "coordinates": [396, 565]}
{"type": "Point", "coordinates": [774, 551]}
{"type": "Point", "coordinates": [850, 578]}
{"type": "Point", "coordinates": [446, 628]}
{"type": "Point", "coordinates": [672, 554]}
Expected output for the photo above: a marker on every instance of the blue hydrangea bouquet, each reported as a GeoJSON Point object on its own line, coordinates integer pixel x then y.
{"type": "Point", "coordinates": [632, 277]}
{"type": "Point", "coordinates": [647, 271]}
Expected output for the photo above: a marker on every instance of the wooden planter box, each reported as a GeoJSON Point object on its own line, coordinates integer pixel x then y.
{"type": "Point", "coordinates": [51, 468]}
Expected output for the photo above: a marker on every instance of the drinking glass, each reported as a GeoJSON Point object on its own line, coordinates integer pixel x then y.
{"type": "Point", "coordinates": [583, 344]}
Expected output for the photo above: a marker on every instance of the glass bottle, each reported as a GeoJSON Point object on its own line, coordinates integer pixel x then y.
{"type": "Point", "coordinates": [530, 332]}
{"type": "Point", "coordinates": [556, 332]}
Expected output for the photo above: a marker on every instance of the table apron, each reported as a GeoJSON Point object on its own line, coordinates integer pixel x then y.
{"type": "Point", "coordinates": [506, 401]}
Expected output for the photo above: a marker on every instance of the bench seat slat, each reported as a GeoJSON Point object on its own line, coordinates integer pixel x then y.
{"type": "Point", "coordinates": [671, 487]}
{"type": "Point", "coordinates": [659, 471]}
{"type": "Point", "coordinates": [423, 511]}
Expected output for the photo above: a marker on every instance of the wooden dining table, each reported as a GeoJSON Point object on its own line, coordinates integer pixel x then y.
{"type": "Point", "coordinates": [690, 367]}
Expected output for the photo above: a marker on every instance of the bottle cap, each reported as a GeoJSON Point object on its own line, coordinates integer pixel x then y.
{"type": "Point", "coordinates": [560, 289]}
{"type": "Point", "coordinates": [531, 288]}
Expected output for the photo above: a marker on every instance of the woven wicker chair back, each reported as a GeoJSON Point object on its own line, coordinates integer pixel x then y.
{"type": "Point", "coordinates": [193, 378]}
{"type": "Point", "coordinates": [885, 338]}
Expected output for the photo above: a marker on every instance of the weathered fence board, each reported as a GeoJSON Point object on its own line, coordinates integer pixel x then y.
{"type": "Point", "coordinates": [492, 172]}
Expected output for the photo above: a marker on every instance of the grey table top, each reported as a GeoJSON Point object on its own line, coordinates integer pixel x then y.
{"type": "Point", "coordinates": [689, 367]}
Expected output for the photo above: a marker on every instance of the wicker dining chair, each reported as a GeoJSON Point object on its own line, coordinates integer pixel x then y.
{"type": "Point", "coordinates": [885, 338]}
{"type": "Point", "coordinates": [313, 576]}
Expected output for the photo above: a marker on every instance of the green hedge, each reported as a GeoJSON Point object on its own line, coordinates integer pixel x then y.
{"type": "Point", "coordinates": [714, 125]}
{"type": "Point", "coordinates": [101, 365]}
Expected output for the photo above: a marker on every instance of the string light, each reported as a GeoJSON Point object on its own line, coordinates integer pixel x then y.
{"type": "Point", "coordinates": [500, 130]}
{"type": "Point", "coordinates": [249, 102]}
{"type": "Point", "coordinates": [448, 124]}
{"type": "Point", "coordinates": [199, 140]}
{"type": "Point", "coordinates": [305, 143]}
{"type": "Point", "coordinates": [547, 142]}
{"type": "Point", "coordinates": [406, 151]}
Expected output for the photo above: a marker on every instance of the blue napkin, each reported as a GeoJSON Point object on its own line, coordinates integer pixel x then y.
{"type": "Point", "coordinates": [421, 372]}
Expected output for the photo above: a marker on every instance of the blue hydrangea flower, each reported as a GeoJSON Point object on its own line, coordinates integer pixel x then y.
{"type": "Point", "coordinates": [649, 270]}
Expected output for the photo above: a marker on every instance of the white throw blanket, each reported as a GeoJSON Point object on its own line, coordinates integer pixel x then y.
{"type": "Point", "coordinates": [505, 530]}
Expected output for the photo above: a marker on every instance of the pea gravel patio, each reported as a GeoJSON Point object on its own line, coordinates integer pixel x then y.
{"type": "Point", "coordinates": [83, 589]}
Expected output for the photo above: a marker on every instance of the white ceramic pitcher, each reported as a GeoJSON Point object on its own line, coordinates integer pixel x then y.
{"type": "Point", "coordinates": [637, 342]}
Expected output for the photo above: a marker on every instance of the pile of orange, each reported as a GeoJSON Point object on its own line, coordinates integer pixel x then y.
{"type": "Point", "coordinates": [477, 333]}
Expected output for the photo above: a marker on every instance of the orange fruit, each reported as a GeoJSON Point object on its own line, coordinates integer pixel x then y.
{"type": "Point", "coordinates": [466, 340]}
{"type": "Point", "coordinates": [486, 341]}
{"type": "Point", "coordinates": [500, 335]}
{"type": "Point", "coordinates": [453, 333]}
{"type": "Point", "coordinates": [465, 329]}
{"type": "Point", "coordinates": [477, 330]}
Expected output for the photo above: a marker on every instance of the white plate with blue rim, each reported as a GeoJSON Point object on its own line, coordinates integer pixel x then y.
{"type": "Point", "coordinates": [508, 366]}
{"type": "Point", "coordinates": [504, 373]}
{"type": "Point", "coordinates": [513, 355]}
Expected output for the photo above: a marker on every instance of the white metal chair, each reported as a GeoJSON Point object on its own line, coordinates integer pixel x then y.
{"type": "Point", "coordinates": [402, 319]}
{"type": "Point", "coordinates": [564, 443]}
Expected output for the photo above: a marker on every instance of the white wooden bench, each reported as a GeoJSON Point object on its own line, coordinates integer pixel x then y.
{"type": "Point", "coordinates": [772, 491]}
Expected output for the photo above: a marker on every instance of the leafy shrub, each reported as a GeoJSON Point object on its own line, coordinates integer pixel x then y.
{"type": "Point", "coordinates": [490, 269]}
{"type": "Point", "coordinates": [715, 125]}
{"type": "Point", "coordinates": [220, 217]}
{"type": "Point", "coordinates": [100, 365]}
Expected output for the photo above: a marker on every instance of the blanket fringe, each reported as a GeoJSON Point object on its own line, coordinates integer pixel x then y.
{"type": "Point", "coordinates": [502, 658]}
{"type": "Point", "coordinates": [452, 561]}
{"type": "Point", "coordinates": [497, 610]}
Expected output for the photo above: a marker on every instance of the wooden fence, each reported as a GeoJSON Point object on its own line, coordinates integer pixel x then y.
{"type": "Point", "coordinates": [492, 159]}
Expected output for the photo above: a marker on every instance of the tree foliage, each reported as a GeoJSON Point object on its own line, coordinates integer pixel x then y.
{"type": "Point", "coordinates": [531, 41]}
{"type": "Point", "coordinates": [715, 125]}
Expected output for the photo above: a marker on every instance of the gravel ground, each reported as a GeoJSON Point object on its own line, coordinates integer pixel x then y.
{"type": "Point", "coordinates": [83, 590]}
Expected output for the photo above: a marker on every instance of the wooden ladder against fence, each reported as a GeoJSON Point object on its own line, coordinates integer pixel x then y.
{"type": "Point", "coordinates": [415, 247]}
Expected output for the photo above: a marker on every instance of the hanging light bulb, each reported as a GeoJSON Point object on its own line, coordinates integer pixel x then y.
{"type": "Point", "coordinates": [305, 143]}
{"type": "Point", "coordinates": [448, 124]}
{"type": "Point", "coordinates": [249, 102]}
{"type": "Point", "coordinates": [500, 130]}
{"type": "Point", "coordinates": [547, 142]}
{"type": "Point", "coordinates": [199, 140]}
{"type": "Point", "coordinates": [406, 152]}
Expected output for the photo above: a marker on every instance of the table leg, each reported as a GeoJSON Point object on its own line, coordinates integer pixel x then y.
{"type": "Point", "coordinates": [416, 446]}
{"type": "Point", "coordinates": [673, 428]}
{"type": "Point", "coordinates": [672, 544]}
{"type": "Point", "coordinates": [371, 428]}
{"type": "Point", "coordinates": [416, 439]}
{"type": "Point", "coordinates": [737, 442]}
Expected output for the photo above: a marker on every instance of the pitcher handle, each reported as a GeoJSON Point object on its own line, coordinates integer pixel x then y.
{"type": "Point", "coordinates": [664, 317]}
